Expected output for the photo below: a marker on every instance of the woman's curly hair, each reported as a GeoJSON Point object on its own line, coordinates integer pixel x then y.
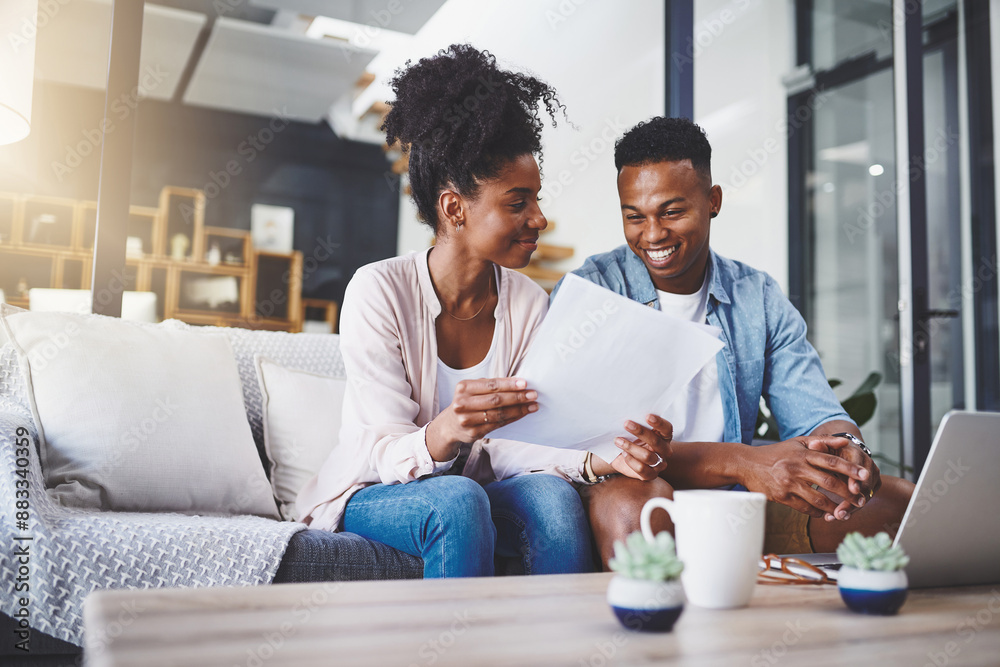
{"type": "Point", "coordinates": [462, 119]}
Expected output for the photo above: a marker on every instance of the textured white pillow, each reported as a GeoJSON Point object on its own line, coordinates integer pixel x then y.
{"type": "Point", "coordinates": [301, 425]}
{"type": "Point", "coordinates": [137, 417]}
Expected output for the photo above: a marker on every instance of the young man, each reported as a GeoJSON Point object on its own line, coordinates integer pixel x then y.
{"type": "Point", "coordinates": [820, 485]}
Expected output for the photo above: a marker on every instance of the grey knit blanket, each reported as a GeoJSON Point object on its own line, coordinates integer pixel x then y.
{"type": "Point", "coordinates": [52, 556]}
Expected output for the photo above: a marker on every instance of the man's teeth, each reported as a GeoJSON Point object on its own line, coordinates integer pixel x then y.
{"type": "Point", "coordinates": [658, 255]}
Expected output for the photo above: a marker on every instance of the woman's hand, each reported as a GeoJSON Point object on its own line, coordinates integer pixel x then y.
{"type": "Point", "coordinates": [478, 407]}
{"type": "Point", "coordinates": [643, 458]}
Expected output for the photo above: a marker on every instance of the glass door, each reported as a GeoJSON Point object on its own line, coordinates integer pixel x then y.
{"type": "Point", "coordinates": [845, 254]}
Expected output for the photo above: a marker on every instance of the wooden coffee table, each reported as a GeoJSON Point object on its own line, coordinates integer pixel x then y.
{"type": "Point", "coordinates": [542, 620]}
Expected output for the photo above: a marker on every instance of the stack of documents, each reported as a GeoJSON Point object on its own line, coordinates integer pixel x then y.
{"type": "Point", "coordinates": [599, 359]}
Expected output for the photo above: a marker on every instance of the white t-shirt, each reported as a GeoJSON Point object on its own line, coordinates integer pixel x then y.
{"type": "Point", "coordinates": [696, 413]}
{"type": "Point", "coordinates": [448, 377]}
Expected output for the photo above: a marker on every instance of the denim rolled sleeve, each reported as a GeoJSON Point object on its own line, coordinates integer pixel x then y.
{"type": "Point", "coordinates": [795, 386]}
{"type": "Point", "coordinates": [766, 351]}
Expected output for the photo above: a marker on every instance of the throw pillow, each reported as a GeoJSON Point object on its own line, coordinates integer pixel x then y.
{"type": "Point", "coordinates": [301, 425]}
{"type": "Point", "coordinates": [138, 417]}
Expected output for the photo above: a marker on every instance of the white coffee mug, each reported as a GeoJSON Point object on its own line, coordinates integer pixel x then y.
{"type": "Point", "coordinates": [720, 537]}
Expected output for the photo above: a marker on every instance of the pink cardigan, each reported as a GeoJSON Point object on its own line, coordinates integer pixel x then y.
{"type": "Point", "coordinates": [389, 345]}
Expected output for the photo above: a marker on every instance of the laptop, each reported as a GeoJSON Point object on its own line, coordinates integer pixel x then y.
{"type": "Point", "coordinates": [951, 528]}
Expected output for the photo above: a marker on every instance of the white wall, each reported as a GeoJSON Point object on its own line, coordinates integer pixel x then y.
{"type": "Point", "coordinates": [605, 59]}
{"type": "Point", "coordinates": [742, 49]}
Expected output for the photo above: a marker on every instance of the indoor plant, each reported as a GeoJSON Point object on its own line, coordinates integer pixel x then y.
{"type": "Point", "coordinates": [872, 580]}
{"type": "Point", "coordinates": [645, 592]}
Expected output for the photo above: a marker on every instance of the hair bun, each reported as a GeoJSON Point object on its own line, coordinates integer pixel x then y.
{"type": "Point", "coordinates": [462, 117]}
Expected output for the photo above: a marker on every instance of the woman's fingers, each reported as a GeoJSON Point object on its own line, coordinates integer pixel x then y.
{"type": "Point", "coordinates": [638, 461]}
{"type": "Point", "coordinates": [664, 428]}
{"type": "Point", "coordinates": [491, 394]}
{"type": "Point", "coordinates": [494, 417]}
{"type": "Point", "coordinates": [632, 467]}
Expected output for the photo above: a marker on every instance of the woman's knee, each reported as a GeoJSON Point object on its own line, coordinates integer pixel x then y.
{"type": "Point", "coordinates": [457, 500]}
{"type": "Point", "coordinates": [541, 517]}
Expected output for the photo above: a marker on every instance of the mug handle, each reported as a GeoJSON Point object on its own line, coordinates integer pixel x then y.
{"type": "Point", "coordinates": [647, 510]}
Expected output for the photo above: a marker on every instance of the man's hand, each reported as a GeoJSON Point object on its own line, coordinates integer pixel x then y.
{"type": "Point", "coordinates": [860, 491]}
{"type": "Point", "coordinates": [786, 471]}
{"type": "Point", "coordinates": [646, 456]}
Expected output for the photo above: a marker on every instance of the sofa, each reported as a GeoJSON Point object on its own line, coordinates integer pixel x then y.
{"type": "Point", "coordinates": [88, 535]}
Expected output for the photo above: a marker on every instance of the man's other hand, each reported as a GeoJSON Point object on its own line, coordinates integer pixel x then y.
{"type": "Point", "coordinates": [861, 491]}
{"type": "Point", "coordinates": [786, 471]}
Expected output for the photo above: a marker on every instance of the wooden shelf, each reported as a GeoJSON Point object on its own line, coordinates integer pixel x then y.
{"type": "Point", "coordinates": [63, 258]}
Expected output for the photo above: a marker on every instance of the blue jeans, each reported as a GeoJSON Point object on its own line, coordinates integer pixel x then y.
{"type": "Point", "coordinates": [457, 527]}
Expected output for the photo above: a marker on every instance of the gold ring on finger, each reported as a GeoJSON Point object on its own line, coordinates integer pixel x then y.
{"type": "Point", "coordinates": [485, 418]}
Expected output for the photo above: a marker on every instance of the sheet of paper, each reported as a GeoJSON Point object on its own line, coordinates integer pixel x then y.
{"type": "Point", "coordinates": [600, 358]}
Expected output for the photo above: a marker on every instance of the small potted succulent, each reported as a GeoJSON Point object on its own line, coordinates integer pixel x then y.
{"type": "Point", "coordinates": [872, 580]}
{"type": "Point", "coordinates": [645, 592]}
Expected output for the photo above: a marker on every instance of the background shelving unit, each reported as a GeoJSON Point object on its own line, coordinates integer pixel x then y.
{"type": "Point", "coordinates": [49, 242]}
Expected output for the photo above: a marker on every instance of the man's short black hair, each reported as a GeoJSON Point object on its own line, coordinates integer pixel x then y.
{"type": "Point", "coordinates": [662, 139]}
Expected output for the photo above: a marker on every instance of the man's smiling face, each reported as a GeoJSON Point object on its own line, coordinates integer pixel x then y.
{"type": "Point", "coordinates": [667, 209]}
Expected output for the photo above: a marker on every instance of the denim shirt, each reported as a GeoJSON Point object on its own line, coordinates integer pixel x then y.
{"type": "Point", "coordinates": [766, 352]}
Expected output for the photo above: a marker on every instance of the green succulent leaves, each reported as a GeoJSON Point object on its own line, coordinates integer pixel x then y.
{"type": "Point", "coordinates": [638, 558]}
{"type": "Point", "coordinates": [871, 553]}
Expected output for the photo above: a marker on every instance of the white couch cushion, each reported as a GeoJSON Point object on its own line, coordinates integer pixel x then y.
{"type": "Point", "coordinates": [302, 413]}
{"type": "Point", "coordinates": [137, 417]}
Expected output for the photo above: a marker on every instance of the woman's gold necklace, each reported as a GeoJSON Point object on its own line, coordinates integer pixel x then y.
{"type": "Point", "coordinates": [472, 317]}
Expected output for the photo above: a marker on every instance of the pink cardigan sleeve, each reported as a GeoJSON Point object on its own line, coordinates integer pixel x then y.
{"type": "Point", "coordinates": [380, 414]}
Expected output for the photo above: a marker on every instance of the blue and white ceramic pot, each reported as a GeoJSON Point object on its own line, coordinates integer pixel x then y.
{"type": "Point", "coordinates": [649, 606]}
{"type": "Point", "coordinates": [872, 592]}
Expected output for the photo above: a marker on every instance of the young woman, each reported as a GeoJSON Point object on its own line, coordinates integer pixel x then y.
{"type": "Point", "coordinates": [431, 342]}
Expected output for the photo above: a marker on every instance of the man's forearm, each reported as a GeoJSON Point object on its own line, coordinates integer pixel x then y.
{"type": "Point", "coordinates": [837, 426]}
{"type": "Point", "coordinates": [706, 465]}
